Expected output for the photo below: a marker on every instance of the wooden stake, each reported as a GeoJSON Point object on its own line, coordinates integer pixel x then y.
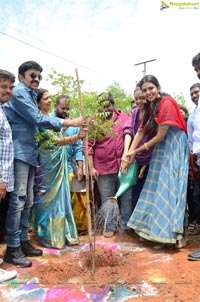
{"type": "Point", "coordinates": [88, 208]}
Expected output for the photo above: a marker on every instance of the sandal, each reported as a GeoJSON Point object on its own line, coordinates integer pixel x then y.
{"type": "Point", "coordinates": [181, 243]}
{"type": "Point", "coordinates": [193, 228]}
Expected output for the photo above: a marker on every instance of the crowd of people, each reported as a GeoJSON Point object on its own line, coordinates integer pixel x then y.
{"type": "Point", "coordinates": [42, 161]}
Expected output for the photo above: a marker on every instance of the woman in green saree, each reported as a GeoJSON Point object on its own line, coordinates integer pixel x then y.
{"type": "Point", "coordinates": [54, 220]}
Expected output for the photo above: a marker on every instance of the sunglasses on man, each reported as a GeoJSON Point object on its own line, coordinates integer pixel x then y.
{"type": "Point", "coordinates": [34, 76]}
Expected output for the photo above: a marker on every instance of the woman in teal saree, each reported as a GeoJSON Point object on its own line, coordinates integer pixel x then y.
{"type": "Point", "coordinates": [54, 220]}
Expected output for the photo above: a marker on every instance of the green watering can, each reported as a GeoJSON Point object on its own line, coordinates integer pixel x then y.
{"type": "Point", "coordinates": [110, 206]}
{"type": "Point", "coordinates": [127, 179]}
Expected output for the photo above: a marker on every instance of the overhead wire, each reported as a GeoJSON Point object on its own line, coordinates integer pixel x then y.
{"type": "Point", "coordinates": [20, 31]}
{"type": "Point", "coordinates": [46, 51]}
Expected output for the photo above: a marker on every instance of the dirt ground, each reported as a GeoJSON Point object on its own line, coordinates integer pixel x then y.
{"type": "Point", "coordinates": [126, 269]}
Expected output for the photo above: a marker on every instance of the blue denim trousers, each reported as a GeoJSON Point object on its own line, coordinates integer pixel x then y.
{"type": "Point", "coordinates": [108, 185]}
{"type": "Point", "coordinates": [21, 200]}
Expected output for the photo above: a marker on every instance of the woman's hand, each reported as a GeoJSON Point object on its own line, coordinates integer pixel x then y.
{"type": "Point", "coordinates": [131, 155]}
{"type": "Point", "coordinates": [124, 164]}
{"type": "Point", "coordinates": [141, 173]}
{"type": "Point", "coordinates": [82, 133]}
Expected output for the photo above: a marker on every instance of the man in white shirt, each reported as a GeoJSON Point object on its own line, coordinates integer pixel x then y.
{"type": "Point", "coordinates": [194, 200]}
{"type": "Point", "coordinates": [196, 143]}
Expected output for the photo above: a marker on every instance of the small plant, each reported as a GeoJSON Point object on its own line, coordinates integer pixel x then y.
{"type": "Point", "coordinates": [99, 127]}
{"type": "Point", "coordinates": [48, 137]}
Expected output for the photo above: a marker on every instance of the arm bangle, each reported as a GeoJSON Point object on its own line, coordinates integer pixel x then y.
{"type": "Point", "coordinates": [126, 161]}
{"type": "Point", "coordinates": [76, 137]}
{"type": "Point", "coordinates": [146, 146]}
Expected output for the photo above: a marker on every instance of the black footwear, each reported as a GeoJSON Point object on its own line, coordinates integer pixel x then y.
{"type": "Point", "coordinates": [194, 255]}
{"type": "Point", "coordinates": [130, 232]}
{"type": "Point", "coordinates": [15, 255]}
{"type": "Point", "coordinates": [29, 250]}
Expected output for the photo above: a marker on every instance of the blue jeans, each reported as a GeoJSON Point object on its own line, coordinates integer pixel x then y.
{"type": "Point", "coordinates": [21, 200]}
{"type": "Point", "coordinates": [108, 185]}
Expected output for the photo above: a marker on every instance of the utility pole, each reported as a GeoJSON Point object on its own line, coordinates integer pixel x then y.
{"type": "Point", "coordinates": [145, 62]}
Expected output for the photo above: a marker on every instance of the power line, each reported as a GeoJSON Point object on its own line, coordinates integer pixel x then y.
{"type": "Point", "coordinates": [45, 51]}
{"type": "Point", "coordinates": [20, 31]}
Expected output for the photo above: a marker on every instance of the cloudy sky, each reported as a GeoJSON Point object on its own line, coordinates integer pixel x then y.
{"type": "Point", "coordinates": [103, 39]}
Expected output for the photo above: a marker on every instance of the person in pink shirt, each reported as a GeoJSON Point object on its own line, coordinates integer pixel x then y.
{"type": "Point", "coordinates": [105, 159]}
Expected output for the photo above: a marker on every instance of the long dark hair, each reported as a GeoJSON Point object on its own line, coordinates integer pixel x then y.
{"type": "Point", "coordinates": [149, 118]}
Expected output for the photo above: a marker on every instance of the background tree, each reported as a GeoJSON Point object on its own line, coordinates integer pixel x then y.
{"type": "Point", "coordinates": [179, 97]}
{"type": "Point", "coordinates": [67, 84]}
{"type": "Point", "coordinates": [122, 99]}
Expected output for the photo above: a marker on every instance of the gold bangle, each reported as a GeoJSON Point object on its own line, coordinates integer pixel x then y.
{"type": "Point", "coordinates": [146, 146]}
{"type": "Point", "coordinates": [126, 160]}
{"type": "Point", "coordinates": [72, 139]}
{"type": "Point", "coordinates": [75, 138]}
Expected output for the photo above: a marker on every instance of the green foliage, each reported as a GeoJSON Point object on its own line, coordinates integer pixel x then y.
{"type": "Point", "coordinates": [65, 84]}
{"type": "Point", "coordinates": [180, 100]}
{"type": "Point", "coordinates": [98, 129]}
{"type": "Point", "coordinates": [89, 100]}
{"type": "Point", "coordinates": [125, 104]}
{"type": "Point", "coordinates": [122, 99]}
{"type": "Point", "coordinates": [47, 137]}
{"type": "Point", "coordinates": [116, 90]}
{"type": "Point", "coordinates": [68, 85]}
{"type": "Point", "coordinates": [102, 126]}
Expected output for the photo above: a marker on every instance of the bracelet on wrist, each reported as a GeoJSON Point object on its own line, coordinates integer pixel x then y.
{"type": "Point", "coordinates": [146, 146]}
{"type": "Point", "coordinates": [126, 160]}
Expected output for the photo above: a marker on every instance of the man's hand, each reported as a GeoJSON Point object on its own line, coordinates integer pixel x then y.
{"type": "Point", "coordinates": [80, 174]}
{"type": "Point", "coordinates": [94, 174]}
{"type": "Point", "coordinates": [82, 133]}
{"type": "Point", "coordinates": [76, 122]}
{"type": "Point", "coordinates": [2, 190]}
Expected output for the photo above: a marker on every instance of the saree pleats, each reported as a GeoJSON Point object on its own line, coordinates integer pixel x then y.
{"type": "Point", "coordinates": [54, 218]}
